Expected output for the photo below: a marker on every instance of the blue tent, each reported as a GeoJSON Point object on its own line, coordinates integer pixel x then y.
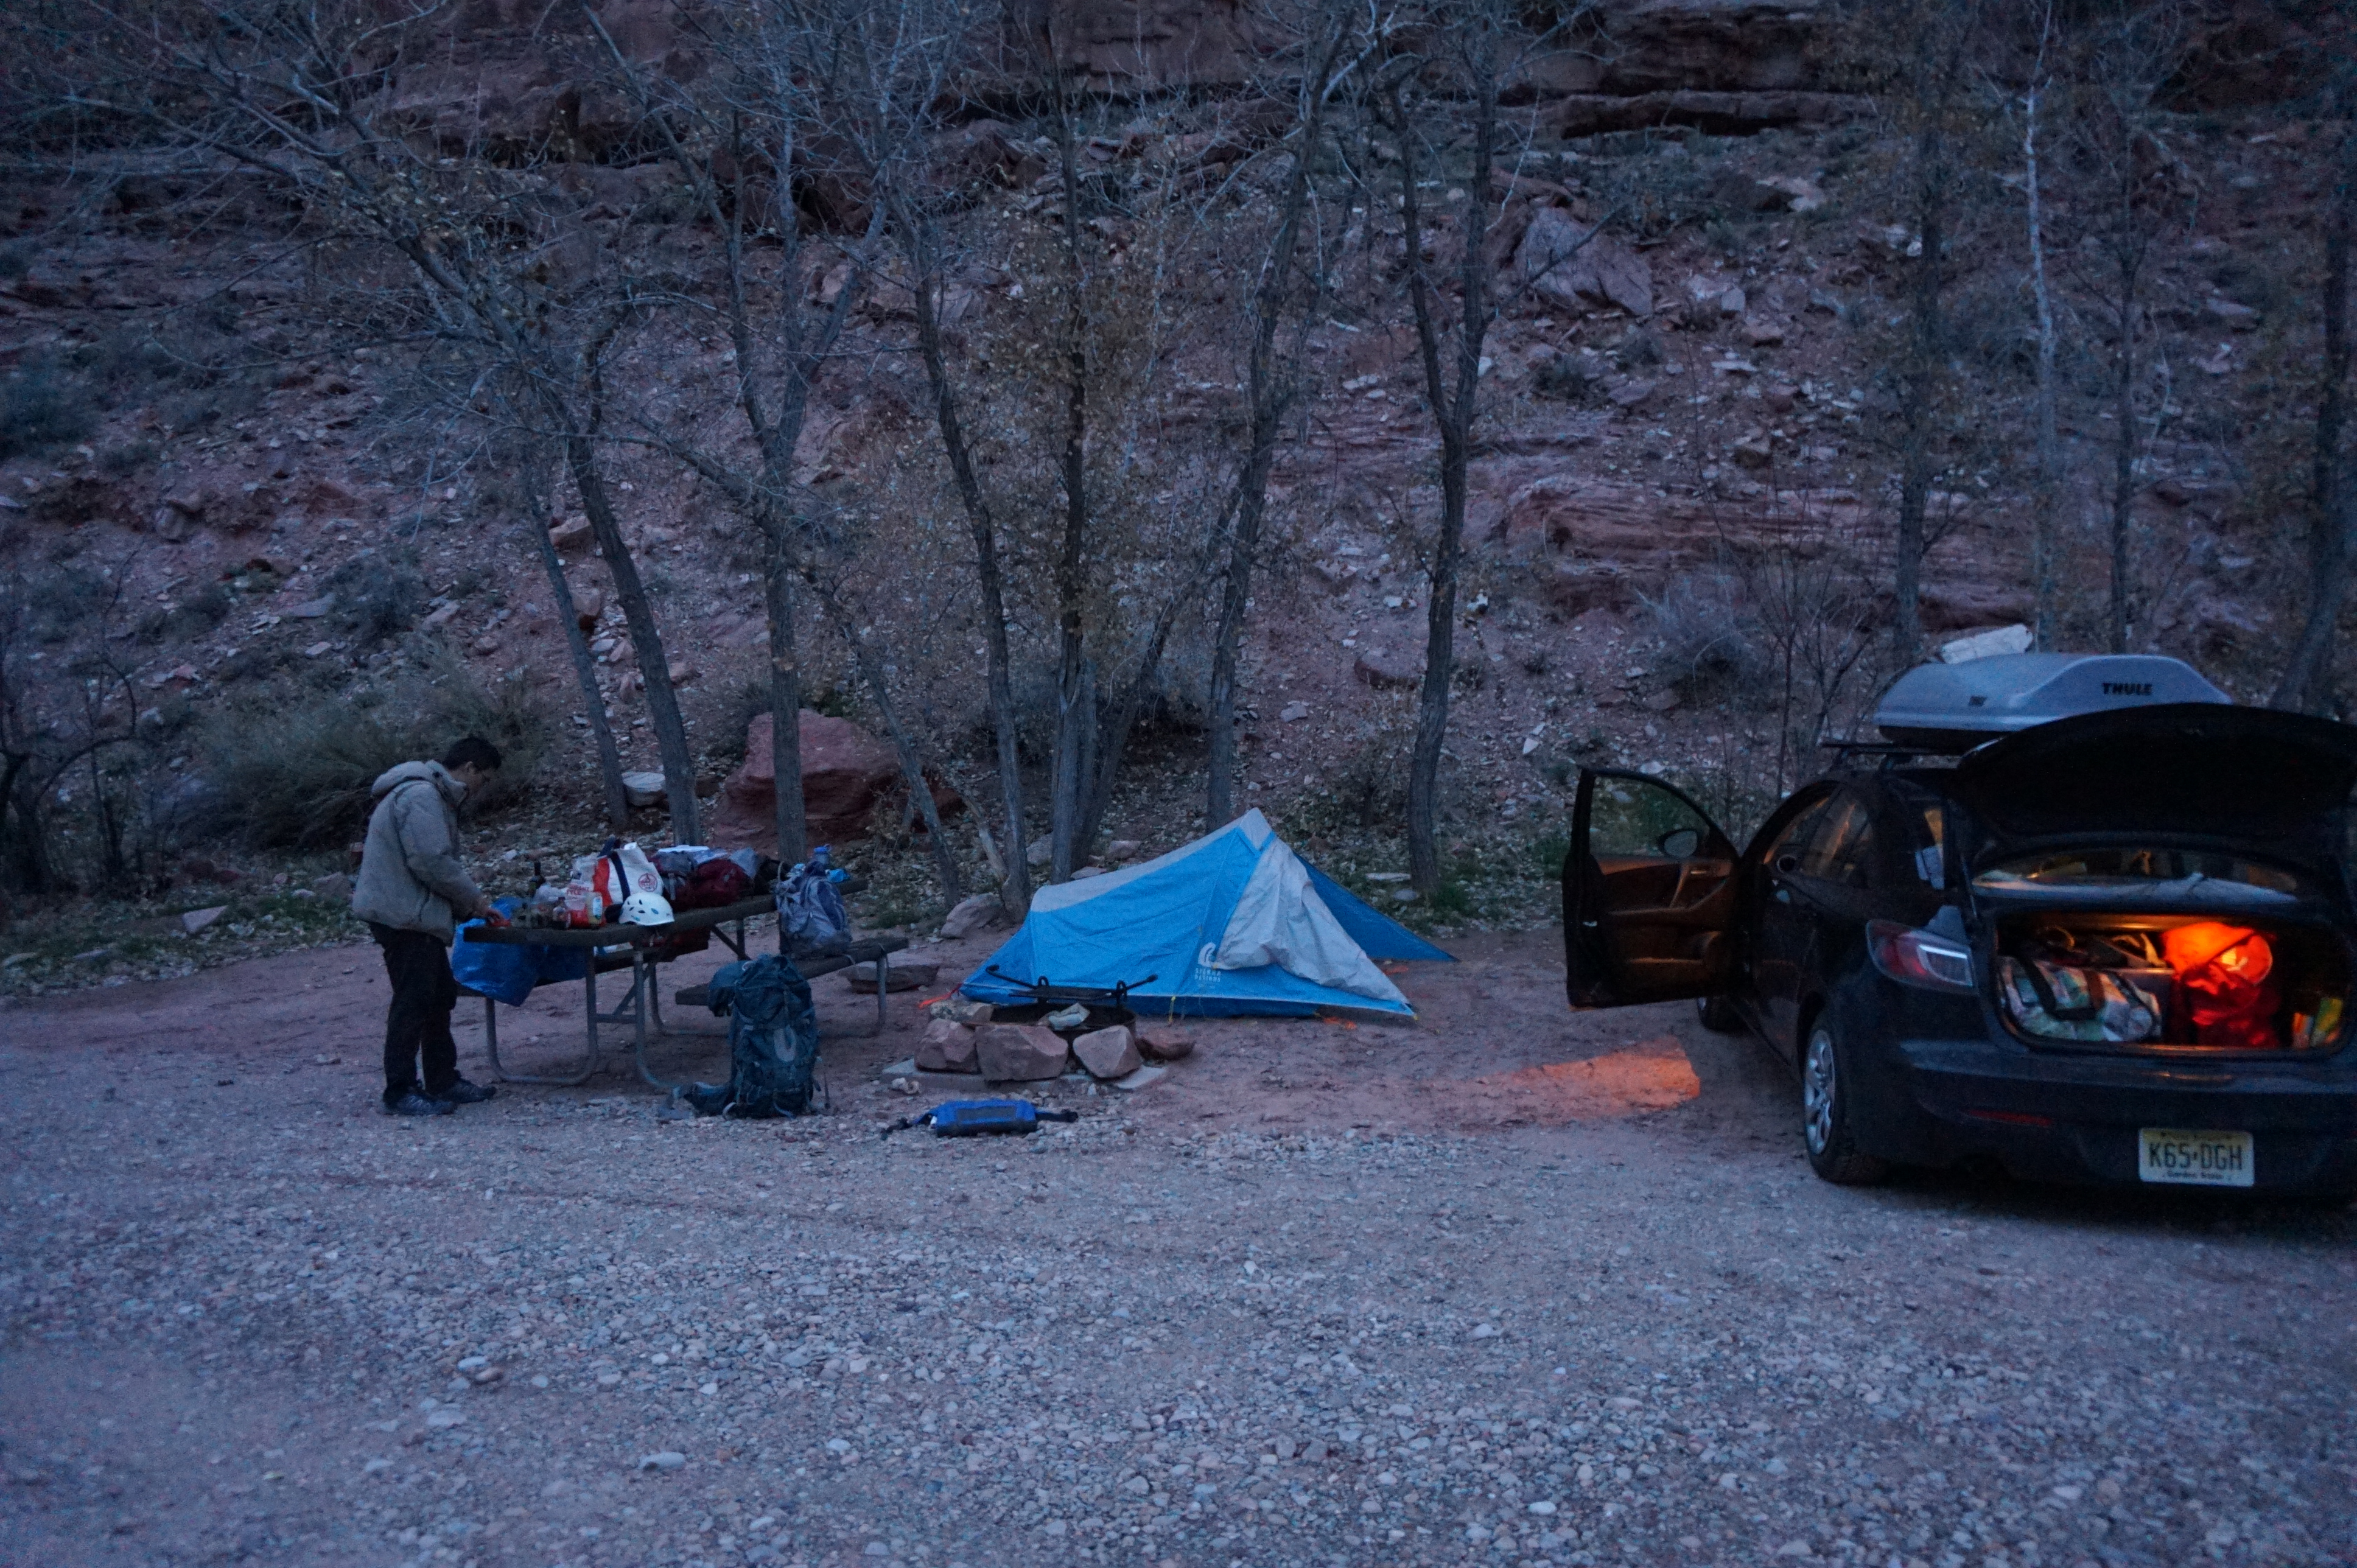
{"type": "Point", "coordinates": [1233, 923]}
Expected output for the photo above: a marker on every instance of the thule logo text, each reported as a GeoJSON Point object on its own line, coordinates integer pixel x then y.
{"type": "Point", "coordinates": [2127, 688]}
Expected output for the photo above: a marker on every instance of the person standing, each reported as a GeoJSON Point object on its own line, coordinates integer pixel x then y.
{"type": "Point", "coordinates": [412, 892]}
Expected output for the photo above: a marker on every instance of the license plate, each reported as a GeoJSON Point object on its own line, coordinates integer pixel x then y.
{"type": "Point", "coordinates": [2193, 1159]}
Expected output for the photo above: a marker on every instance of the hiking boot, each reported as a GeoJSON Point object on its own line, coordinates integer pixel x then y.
{"type": "Point", "coordinates": [459, 1092]}
{"type": "Point", "coordinates": [410, 1102]}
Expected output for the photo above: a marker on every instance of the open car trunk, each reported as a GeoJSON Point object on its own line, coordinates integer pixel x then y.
{"type": "Point", "coordinates": [2191, 982]}
{"type": "Point", "coordinates": [2247, 782]}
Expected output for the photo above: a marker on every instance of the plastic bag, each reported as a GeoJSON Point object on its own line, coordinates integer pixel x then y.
{"type": "Point", "coordinates": [2062, 1001]}
{"type": "Point", "coordinates": [553, 964]}
{"type": "Point", "coordinates": [602, 883]}
{"type": "Point", "coordinates": [504, 971]}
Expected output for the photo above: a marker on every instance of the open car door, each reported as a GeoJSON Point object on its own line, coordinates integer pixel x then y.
{"type": "Point", "coordinates": [1648, 895]}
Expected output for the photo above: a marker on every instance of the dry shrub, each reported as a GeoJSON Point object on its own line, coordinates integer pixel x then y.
{"type": "Point", "coordinates": [292, 768]}
{"type": "Point", "coordinates": [1710, 638]}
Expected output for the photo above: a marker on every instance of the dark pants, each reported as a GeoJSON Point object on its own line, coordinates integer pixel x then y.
{"type": "Point", "coordinates": [419, 1019]}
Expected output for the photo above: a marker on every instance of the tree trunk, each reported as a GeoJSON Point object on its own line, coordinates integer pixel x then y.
{"type": "Point", "coordinates": [1439, 669]}
{"type": "Point", "coordinates": [1075, 715]}
{"type": "Point", "coordinates": [1920, 389]}
{"type": "Point", "coordinates": [662, 702]}
{"type": "Point", "coordinates": [2123, 444]}
{"type": "Point", "coordinates": [1453, 414]}
{"type": "Point", "coordinates": [1270, 399]}
{"type": "Point", "coordinates": [2306, 685]}
{"type": "Point", "coordinates": [786, 714]}
{"type": "Point", "coordinates": [1236, 598]}
{"type": "Point", "coordinates": [2045, 546]}
{"type": "Point", "coordinates": [585, 670]}
{"type": "Point", "coordinates": [1015, 892]}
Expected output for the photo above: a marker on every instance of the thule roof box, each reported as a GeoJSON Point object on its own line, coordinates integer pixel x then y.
{"type": "Point", "coordinates": [1955, 707]}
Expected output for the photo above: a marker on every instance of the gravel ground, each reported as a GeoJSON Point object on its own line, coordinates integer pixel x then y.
{"type": "Point", "coordinates": [1507, 1284]}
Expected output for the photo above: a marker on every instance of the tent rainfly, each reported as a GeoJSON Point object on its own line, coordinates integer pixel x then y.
{"type": "Point", "coordinates": [1233, 923]}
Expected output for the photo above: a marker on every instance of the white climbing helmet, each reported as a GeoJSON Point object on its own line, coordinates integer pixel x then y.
{"type": "Point", "coordinates": [646, 910]}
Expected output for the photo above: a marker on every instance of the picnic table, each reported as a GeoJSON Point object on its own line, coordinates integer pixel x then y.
{"type": "Point", "coordinates": [642, 954]}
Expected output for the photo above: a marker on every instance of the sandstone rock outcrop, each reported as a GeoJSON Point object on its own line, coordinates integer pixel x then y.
{"type": "Point", "coordinates": [846, 773]}
{"type": "Point", "coordinates": [1571, 263]}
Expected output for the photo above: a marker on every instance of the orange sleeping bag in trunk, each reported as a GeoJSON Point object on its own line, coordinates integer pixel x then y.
{"type": "Point", "coordinates": [2223, 976]}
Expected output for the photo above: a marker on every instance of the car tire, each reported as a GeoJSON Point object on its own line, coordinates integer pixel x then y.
{"type": "Point", "coordinates": [1718, 1015]}
{"type": "Point", "coordinates": [1827, 1134]}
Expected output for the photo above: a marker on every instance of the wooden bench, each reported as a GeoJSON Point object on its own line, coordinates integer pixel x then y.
{"type": "Point", "coordinates": [870, 950]}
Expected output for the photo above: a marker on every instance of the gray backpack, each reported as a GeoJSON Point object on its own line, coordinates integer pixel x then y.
{"type": "Point", "coordinates": [772, 1041]}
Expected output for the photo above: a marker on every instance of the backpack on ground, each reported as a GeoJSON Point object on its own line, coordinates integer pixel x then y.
{"type": "Point", "coordinates": [772, 1041]}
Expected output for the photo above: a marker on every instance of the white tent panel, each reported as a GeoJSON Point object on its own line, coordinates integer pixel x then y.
{"type": "Point", "coordinates": [1280, 920]}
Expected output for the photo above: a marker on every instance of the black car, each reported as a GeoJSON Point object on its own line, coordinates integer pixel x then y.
{"type": "Point", "coordinates": [2115, 947]}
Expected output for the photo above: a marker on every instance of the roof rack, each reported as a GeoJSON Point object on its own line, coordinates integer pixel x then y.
{"type": "Point", "coordinates": [1890, 751]}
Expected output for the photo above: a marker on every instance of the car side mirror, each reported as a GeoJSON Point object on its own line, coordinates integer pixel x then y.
{"type": "Point", "coordinates": [1679, 843]}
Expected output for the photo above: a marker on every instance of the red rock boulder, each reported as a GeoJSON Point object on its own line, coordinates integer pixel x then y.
{"type": "Point", "coordinates": [846, 774]}
{"type": "Point", "coordinates": [1019, 1053]}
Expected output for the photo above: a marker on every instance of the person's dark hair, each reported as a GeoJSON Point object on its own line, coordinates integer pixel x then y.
{"type": "Point", "coordinates": [473, 751]}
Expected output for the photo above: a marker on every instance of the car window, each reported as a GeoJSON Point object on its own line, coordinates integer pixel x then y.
{"type": "Point", "coordinates": [1838, 853]}
{"type": "Point", "coordinates": [1631, 818]}
{"type": "Point", "coordinates": [1922, 820]}
{"type": "Point", "coordinates": [1931, 863]}
{"type": "Point", "coordinates": [1795, 840]}
{"type": "Point", "coordinates": [2173, 873]}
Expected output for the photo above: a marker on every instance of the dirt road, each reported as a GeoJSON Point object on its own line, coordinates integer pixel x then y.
{"type": "Point", "coordinates": [1506, 1284]}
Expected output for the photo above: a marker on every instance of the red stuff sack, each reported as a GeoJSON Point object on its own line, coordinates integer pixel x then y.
{"type": "Point", "coordinates": [2222, 980]}
{"type": "Point", "coordinates": [711, 884]}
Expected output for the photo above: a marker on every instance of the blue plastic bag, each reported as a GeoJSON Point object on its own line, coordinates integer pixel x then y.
{"type": "Point", "coordinates": [502, 971]}
{"type": "Point", "coordinates": [508, 972]}
{"type": "Point", "coordinates": [553, 964]}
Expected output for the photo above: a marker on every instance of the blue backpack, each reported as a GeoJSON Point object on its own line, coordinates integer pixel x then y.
{"type": "Point", "coordinates": [772, 1041]}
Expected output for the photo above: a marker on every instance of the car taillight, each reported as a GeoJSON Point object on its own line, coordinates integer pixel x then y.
{"type": "Point", "coordinates": [1922, 959]}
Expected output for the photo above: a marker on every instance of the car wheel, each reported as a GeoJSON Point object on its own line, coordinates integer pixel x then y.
{"type": "Point", "coordinates": [1718, 1015]}
{"type": "Point", "coordinates": [1825, 1119]}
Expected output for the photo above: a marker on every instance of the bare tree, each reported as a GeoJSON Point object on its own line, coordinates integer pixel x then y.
{"type": "Point", "coordinates": [1930, 97]}
{"type": "Point", "coordinates": [1474, 41]}
{"type": "Point", "coordinates": [902, 77]}
{"type": "Point", "coordinates": [923, 249]}
{"type": "Point", "coordinates": [531, 467]}
{"type": "Point", "coordinates": [2046, 494]}
{"type": "Point", "coordinates": [1059, 423]}
{"type": "Point", "coordinates": [59, 718]}
{"type": "Point", "coordinates": [503, 292]}
{"type": "Point", "coordinates": [2133, 186]}
{"type": "Point", "coordinates": [2306, 685]}
{"type": "Point", "coordinates": [736, 137]}
{"type": "Point", "coordinates": [1273, 384]}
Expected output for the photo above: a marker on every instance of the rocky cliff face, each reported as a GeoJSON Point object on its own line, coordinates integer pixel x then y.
{"type": "Point", "coordinates": [506, 76]}
{"type": "Point", "coordinates": [1681, 500]}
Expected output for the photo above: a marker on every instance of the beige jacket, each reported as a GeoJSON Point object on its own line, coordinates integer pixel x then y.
{"type": "Point", "coordinates": [410, 876]}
